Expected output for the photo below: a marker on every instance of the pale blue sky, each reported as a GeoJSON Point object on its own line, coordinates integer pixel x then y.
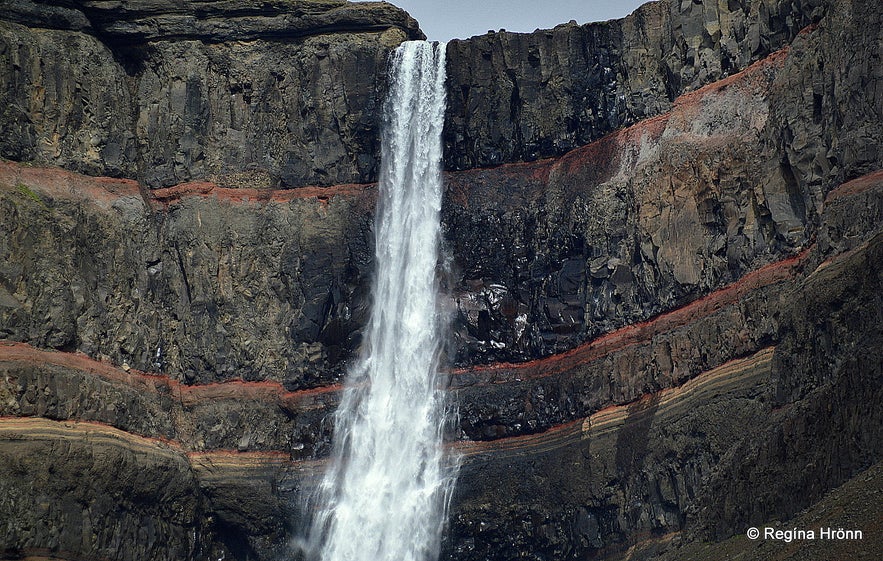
{"type": "Point", "coordinates": [443, 20]}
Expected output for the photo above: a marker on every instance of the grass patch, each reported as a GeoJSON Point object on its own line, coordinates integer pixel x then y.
{"type": "Point", "coordinates": [26, 192]}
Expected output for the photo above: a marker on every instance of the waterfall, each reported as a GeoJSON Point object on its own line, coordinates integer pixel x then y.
{"type": "Point", "coordinates": [384, 497]}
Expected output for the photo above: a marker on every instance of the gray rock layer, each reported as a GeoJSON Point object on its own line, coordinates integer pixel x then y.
{"type": "Point", "coordinates": [515, 96]}
{"type": "Point", "coordinates": [289, 93]}
{"type": "Point", "coordinates": [269, 93]}
{"type": "Point", "coordinates": [544, 256]}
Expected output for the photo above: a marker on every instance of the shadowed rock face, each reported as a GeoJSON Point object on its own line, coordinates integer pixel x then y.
{"type": "Point", "coordinates": [662, 337]}
{"type": "Point", "coordinates": [520, 96]}
{"type": "Point", "coordinates": [206, 288]}
{"type": "Point", "coordinates": [289, 93]}
{"type": "Point", "coordinates": [247, 93]}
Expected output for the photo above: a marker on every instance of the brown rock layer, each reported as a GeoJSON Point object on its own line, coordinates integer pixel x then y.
{"type": "Point", "coordinates": [246, 93]}
{"type": "Point", "coordinates": [520, 96]}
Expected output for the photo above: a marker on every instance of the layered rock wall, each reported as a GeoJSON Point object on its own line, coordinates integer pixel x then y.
{"type": "Point", "coordinates": [247, 93]}
{"type": "Point", "coordinates": [289, 93]}
{"type": "Point", "coordinates": [648, 218]}
{"type": "Point", "coordinates": [515, 96]}
{"type": "Point", "coordinates": [546, 254]}
{"type": "Point", "coordinates": [207, 287]}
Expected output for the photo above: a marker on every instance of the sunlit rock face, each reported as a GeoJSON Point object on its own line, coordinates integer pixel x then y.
{"type": "Point", "coordinates": [663, 279]}
{"type": "Point", "coordinates": [254, 94]}
{"type": "Point", "coordinates": [524, 96]}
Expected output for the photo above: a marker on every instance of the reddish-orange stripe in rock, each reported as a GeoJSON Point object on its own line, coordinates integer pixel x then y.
{"type": "Point", "coordinates": [642, 332]}
{"type": "Point", "coordinates": [234, 389]}
{"type": "Point", "coordinates": [856, 186]}
{"type": "Point", "coordinates": [170, 195]}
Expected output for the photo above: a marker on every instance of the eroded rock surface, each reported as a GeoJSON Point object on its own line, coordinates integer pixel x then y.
{"type": "Point", "coordinates": [520, 96]}
{"type": "Point", "coordinates": [248, 93]}
{"type": "Point", "coordinates": [646, 219]}
{"type": "Point", "coordinates": [206, 288]}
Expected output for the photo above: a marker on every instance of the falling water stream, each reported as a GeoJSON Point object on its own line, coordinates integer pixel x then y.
{"type": "Point", "coordinates": [384, 496]}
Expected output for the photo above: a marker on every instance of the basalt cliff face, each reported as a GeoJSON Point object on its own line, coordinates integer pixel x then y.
{"type": "Point", "coordinates": [666, 293]}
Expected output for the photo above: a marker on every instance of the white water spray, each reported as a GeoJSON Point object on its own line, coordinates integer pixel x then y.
{"type": "Point", "coordinates": [384, 497]}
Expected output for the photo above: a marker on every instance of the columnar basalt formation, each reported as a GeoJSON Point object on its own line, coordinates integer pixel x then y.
{"type": "Point", "coordinates": [248, 93]}
{"type": "Point", "coordinates": [668, 331]}
{"type": "Point", "coordinates": [518, 96]}
{"type": "Point", "coordinates": [232, 432]}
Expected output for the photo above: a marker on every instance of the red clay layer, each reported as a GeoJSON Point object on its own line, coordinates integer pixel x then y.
{"type": "Point", "coordinates": [603, 155]}
{"type": "Point", "coordinates": [597, 162]}
{"type": "Point", "coordinates": [857, 186]}
{"type": "Point", "coordinates": [57, 183]}
{"type": "Point", "coordinates": [268, 391]}
{"type": "Point", "coordinates": [274, 392]}
{"type": "Point", "coordinates": [63, 184]}
{"type": "Point", "coordinates": [643, 332]}
{"type": "Point", "coordinates": [171, 195]}
{"type": "Point", "coordinates": [549, 439]}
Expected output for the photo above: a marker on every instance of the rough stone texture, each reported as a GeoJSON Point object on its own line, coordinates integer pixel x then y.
{"type": "Point", "coordinates": [554, 252]}
{"type": "Point", "coordinates": [209, 288]}
{"type": "Point", "coordinates": [546, 255]}
{"type": "Point", "coordinates": [65, 102]}
{"type": "Point", "coordinates": [826, 109]}
{"type": "Point", "coordinates": [97, 491]}
{"type": "Point", "coordinates": [257, 93]}
{"type": "Point", "coordinates": [212, 21]}
{"type": "Point", "coordinates": [242, 416]}
{"type": "Point", "coordinates": [519, 96]}
{"type": "Point", "coordinates": [655, 464]}
{"type": "Point", "coordinates": [853, 505]}
{"type": "Point", "coordinates": [88, 491]}
{"type": "Point", "coordinates": [720, 459]}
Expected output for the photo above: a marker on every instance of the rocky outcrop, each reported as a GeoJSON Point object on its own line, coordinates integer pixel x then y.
{"type": "Point", "coordinates": [515, 96]}
{"type": "Point", "coordinates": [212, 286]}
{"type": "Point", "coordinates": [236, 415]}
{"type": "Point", "coordinates": [201, 89]}
{"type": "Point", "coordinates": [687, 384]}
{"type": "Point", "coordinates": [728, 450]}
{"type": "Point", "coordinates": [218, 21]}
{"type": "Point", "coordinates": [255, 93]}
{"type": "Point", "coordinates": [853, 505]}
{"type": "Point", "coordinates": [648, 218]}
{"type": "Point", "coordinates": [546, 255]}
{"type": "Point", "coordinates": [63, 507]}
{"type": "Point", "coordinates": [75, 490]}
